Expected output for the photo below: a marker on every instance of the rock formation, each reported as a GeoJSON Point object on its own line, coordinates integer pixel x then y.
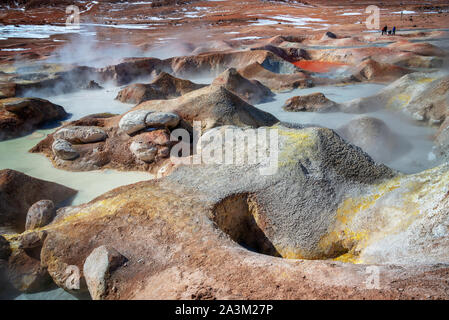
{"type": "Point", "coordinates": [421, 95]}
{"type": "Point", "coordinates": [213, 106]}
{"type": "Point", "coordinates": [19, 116]}
{"type": "Point", "coordinates": [138, 140]}
{"type": "Point", "coordinates": [252, 91]}
{"type": "Point", "coordinates": [275, 81]}
{"type": "Point", "coordinates": [314, 102]}
{"type": "Point", "coordinates": [370, 69]}
{"type": "Point", "coordinates": [19, 191]}
{"type": "Point", "coordinates": [164, 86]}
{"type": "Point", "coordinates": [81, 134]}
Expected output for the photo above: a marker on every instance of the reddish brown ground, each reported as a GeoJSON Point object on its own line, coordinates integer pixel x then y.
{"type": "Point", "coordinates": [222, 20]}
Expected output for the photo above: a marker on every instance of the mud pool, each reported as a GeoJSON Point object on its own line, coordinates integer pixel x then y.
{"type": "Point", "coordinates": [419, 155]}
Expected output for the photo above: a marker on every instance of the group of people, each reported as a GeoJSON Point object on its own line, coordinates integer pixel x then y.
{"type": "Point", "coordinates": [386, 31]}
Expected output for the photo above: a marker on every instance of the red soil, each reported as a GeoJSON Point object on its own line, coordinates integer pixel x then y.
{"type": "Point", "coordinates": [318, 66]}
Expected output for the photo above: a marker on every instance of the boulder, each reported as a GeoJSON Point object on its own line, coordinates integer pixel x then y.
{"type": "Point", "coordinates": [98, 267]}
{"type": "Point", "coordinates": [133, 121]}
{"type": "Point", "coordinates": [19, 116]}
{"type": "Point", "coordinates": [162, 119]}
{"type": "Point", "coordinates": [143, 151]}
{"type": "Point", "coordinates": [314, 102]}
{"type": "Point", "coordinates": [164, 86]}
{"type": "Point", "coordinates": [137, 120]}
{"type": "Point", "coordinates": [64, 150]}
{"type": "Point", "coordinates": [40, 214]}
{"type": "Point", "coordinates": [18, 192]}
{"type": "Point", "coordinates": [81, 134]}
{"type": "Point", "coordinates": [252, 91]}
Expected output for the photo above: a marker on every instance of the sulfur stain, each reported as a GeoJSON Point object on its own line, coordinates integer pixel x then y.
{"type": "Point", "coordinates": [401, 99]}
{"type": "Point", "coordinates": [298, 144]}
{"type": "Point", "coordinates": [346, 237]}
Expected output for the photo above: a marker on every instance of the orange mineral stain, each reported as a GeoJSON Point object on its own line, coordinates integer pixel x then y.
{"type": "Point", "coordinates": [318, 66]}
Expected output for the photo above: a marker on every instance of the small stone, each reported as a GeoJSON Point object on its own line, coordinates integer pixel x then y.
{"type": "Point", "coordinates": [64, 150]}
{"type": "Point", "coordinates": [40, 214]}
{"type": "Point", "coordinates": [134, 121]}
{"type": "Point", "coordinates": [162, 119]}
{"type": "Point", "coordinates": [143, 151]}
{"type": "Point", "coordinates": [80, 134]}
{"type": "Point", "coordinates": [98, 267]}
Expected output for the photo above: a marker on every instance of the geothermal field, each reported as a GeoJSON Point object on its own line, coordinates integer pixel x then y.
{"type": "Point", "coordinates": [217, 150]}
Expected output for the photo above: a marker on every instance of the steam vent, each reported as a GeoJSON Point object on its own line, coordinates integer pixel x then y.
{"type": "Point", "coordinates": [224, 150]}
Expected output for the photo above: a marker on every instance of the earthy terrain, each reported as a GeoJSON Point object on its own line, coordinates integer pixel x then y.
{"type": "Point", "coordinates": [213, 23]}
{"type": "Point", "coordinates": [332, 212]}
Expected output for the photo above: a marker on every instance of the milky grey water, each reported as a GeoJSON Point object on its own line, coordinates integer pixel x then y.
{"type": "Point", "coordinates": [419, 155]}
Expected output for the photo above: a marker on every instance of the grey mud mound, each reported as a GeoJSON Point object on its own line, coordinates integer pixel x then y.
{"type": "Point", "coordinates": [213, 106]}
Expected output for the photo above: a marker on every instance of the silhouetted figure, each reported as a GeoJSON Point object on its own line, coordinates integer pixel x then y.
{"type": "Point", "coordinates": [394, 30]}
{"type": "Point", "coordinates": [384, 30]}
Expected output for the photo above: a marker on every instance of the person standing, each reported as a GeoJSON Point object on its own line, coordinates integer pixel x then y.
{"type": "Point", "coordinates": [384, 30]}
{"type": "Point", "coordinates": [394, 30]}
